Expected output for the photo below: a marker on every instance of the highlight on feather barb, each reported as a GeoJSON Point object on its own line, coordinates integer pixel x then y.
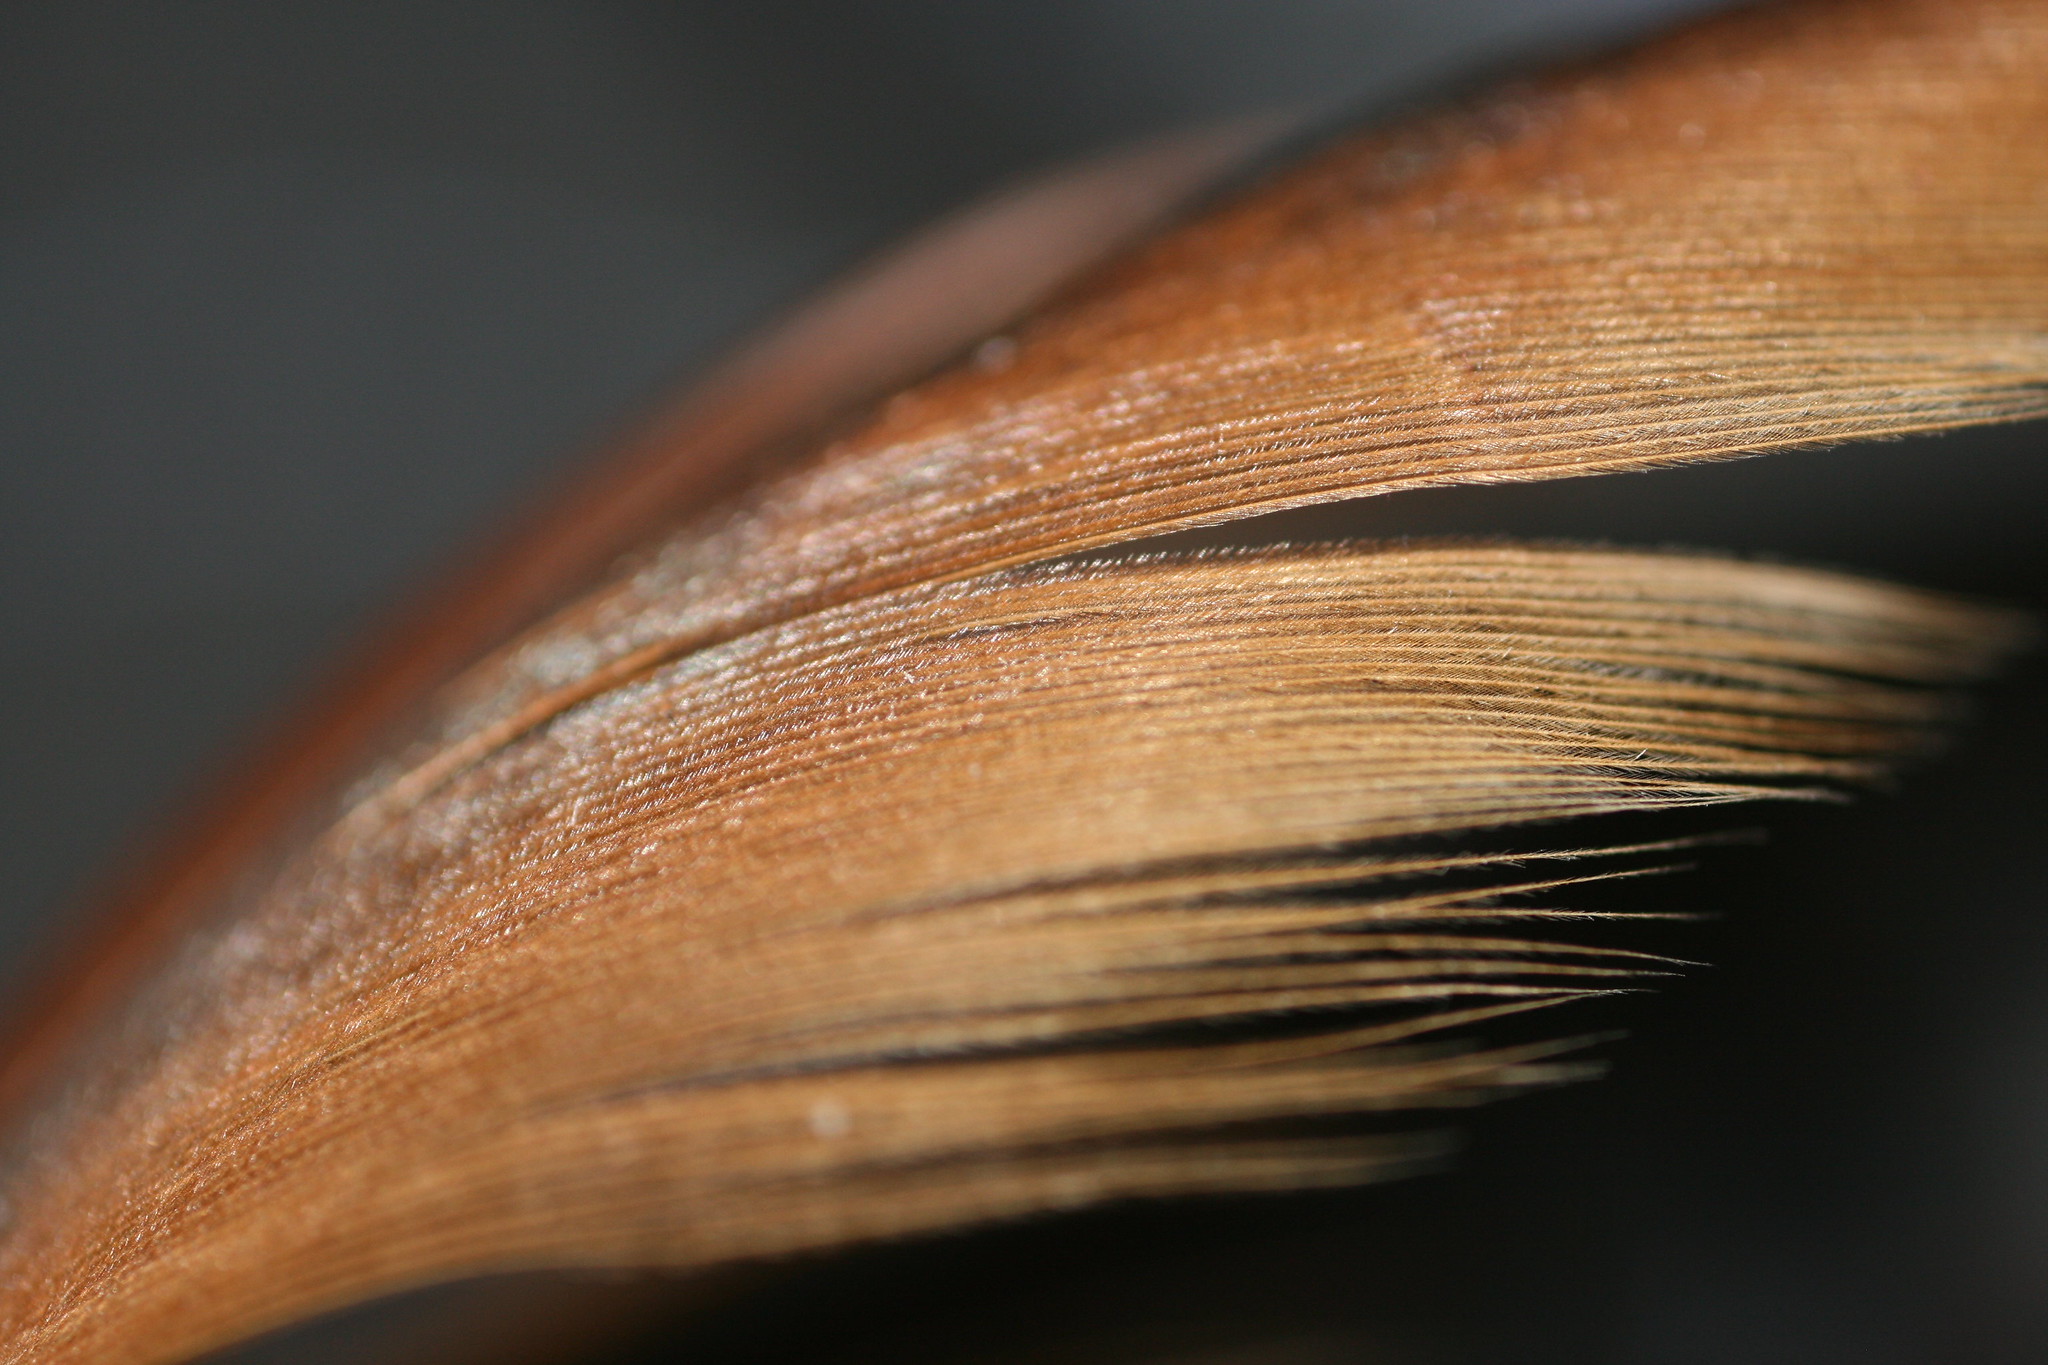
{"type": "Point", "coordinates": [830, 867]}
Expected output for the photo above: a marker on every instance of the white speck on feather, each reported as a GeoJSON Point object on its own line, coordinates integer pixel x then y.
{"type": "Point", "coordinates": [831, 1119]}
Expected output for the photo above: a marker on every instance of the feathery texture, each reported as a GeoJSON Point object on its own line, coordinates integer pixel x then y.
{"type": "Point", "coordinates": [787, 944]}
{"type": "Point", "coordinates": [1807, 223]}
{"type": "Point", "coordinates": [822, 875]}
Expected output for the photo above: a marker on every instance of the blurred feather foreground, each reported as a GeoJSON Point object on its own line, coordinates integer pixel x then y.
{"type": "Point", "coordinates": [817, 873]}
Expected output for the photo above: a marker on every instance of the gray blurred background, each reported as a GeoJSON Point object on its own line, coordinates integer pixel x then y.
{"type": "Point", "coordinates": [297, 300]}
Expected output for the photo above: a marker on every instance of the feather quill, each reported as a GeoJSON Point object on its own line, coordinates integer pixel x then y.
{"type": "Point", "coordinates": [821, 874]}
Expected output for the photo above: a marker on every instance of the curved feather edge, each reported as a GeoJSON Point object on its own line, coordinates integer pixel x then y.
{"type": "Point", "coordinates": [894, 916]}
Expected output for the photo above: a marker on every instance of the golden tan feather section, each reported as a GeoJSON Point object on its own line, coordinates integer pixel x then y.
{"type": "Point", "coordinates": [790, 942]}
